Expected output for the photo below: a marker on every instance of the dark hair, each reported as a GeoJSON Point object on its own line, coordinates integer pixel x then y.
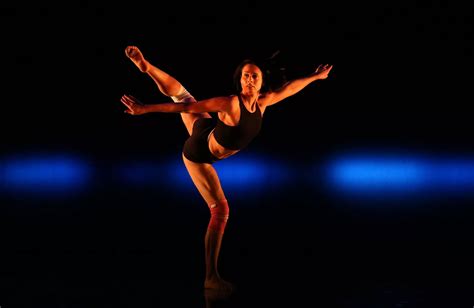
{"type": "Point", "coordinates": [272, 71]}
{"type": "Point", "coordinates": [238, 75]}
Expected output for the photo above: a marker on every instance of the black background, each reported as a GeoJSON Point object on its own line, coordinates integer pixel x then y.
{"type": "Point", "coordinates": [401, 80]}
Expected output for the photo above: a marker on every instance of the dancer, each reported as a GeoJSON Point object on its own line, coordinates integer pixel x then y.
{"type": "Point", "coordinates": [238, 121]}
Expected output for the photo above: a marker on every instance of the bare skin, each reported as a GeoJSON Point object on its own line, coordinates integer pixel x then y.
{"type": "Point", "coordinates": [203, 175]}
{"type": "Point", "coordinates": [137, 58]}
{"type": "Point", "coordinates": [213, 296]}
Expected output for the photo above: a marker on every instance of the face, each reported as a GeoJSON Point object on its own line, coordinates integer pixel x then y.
{"type": "Point", "coordinates": [251, 79]}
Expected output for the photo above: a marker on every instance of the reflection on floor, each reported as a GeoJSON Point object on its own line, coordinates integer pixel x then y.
{"type": "Point", "coordinates": [109, 253]}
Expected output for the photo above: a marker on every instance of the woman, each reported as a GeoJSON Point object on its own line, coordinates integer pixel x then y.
{"type": "Point", "coordinates": [238, 121]}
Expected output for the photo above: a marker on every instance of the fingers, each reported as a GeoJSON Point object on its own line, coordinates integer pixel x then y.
{"type": "Point", "coordinates": [128, 98]}
{"type": "Point", "coordinates": [326, 68]}
{"type": "Point", "coordinates": [131, 99]}
{"type": "Point", "coordinates": [126, 101]}
{"type": "Point", "coordinates": [129, 103]}
{"type": "Point", "coordinates": [134, 106]}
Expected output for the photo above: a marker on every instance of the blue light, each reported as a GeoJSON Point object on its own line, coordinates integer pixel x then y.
{"type": "Point", "coordinates": [378, 174]}
{"type": "Point", "coordinates": [142, 173]}
{"type": "Point", "coordinates": [392, 175]}
{"type": "Point", "coordinates": [51, 175]}
{"type": "Point", "coordinates": [455, 175]}
{"type": "Point", "coordinates": [236, 174]}
{"type": "Point", "coordinates": [250, 173]}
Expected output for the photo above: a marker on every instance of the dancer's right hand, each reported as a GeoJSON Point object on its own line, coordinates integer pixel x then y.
{"type": "Point", "coordinates": [134, 106]}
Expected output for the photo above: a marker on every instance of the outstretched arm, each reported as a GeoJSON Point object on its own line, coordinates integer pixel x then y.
{"type": "Point", "coordinates": [294, 86]}
{"type": "Point", "coordinates": [216, 104]}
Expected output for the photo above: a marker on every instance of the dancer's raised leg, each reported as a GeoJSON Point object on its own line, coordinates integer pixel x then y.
{"type": "Point", "coordinates": [166, 83]}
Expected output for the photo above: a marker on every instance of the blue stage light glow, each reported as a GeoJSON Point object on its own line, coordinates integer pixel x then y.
{"type": "Point", "coordinates": [246, 173]}
{"type": "Point", "coordinates": [39, 174]}
{"type": "Point", "coordinates": [375, 175]}
{"type": "Point", "coordinates": [141, 173]}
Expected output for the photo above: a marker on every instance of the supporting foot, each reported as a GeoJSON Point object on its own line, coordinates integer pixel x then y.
{"type": "Point", "coordinates": [218, 284]}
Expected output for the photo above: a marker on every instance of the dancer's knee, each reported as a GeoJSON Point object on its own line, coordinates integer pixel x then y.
{"type": "Point", "coordinates": [183, 96]}
{"type": "Point", "coordinates": [219, 215]}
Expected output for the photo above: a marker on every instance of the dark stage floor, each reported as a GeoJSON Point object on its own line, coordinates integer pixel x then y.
{"type": "Point", "coordinates": [132, 251]}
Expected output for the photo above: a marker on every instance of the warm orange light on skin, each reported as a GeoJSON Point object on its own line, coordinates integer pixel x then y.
{"type": "Point", "coordinates": [251, 80]}
{"type": "Point", "coordinates": [228, 108]}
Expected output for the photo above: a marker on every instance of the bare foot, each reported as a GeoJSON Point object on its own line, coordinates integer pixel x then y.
{"type": "Point", "coordinates": [214, 295]}
{"type": "Point", "coordinates": [219, 285]}
{"type": "Point", "coordinates": [137, 57]}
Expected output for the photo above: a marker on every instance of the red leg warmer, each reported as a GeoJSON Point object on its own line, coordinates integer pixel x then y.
{"type": "Point", "coordinates": [219, 216]}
